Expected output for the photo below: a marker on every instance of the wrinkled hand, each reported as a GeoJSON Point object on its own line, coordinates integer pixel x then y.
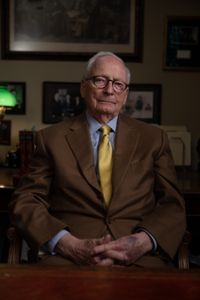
{"type": "Point", "coordinates": [126, 250]}
{"type": "Point", "coordinates": [81, 251]}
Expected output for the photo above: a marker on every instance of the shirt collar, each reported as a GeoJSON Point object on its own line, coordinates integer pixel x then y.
{"type": "Point", "coordinates": [94, 125]}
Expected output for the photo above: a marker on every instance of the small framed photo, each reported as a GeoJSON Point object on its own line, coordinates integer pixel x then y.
{"type": "Point", "coordinates": [144, 102]}
{"type": "Point", "coordinates": [182, 43]}
{"type": "Point", "coordinates": [5, 132]}
{"type": "Point", "coordinates": [61, 100]}
{"type": "Point", "coordinates": [18, 89]}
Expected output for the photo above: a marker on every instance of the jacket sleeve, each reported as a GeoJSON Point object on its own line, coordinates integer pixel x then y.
{"type": "Point", "coordinates": [29, 206]}
{"type": "Point", "coordinates": [167, 222]}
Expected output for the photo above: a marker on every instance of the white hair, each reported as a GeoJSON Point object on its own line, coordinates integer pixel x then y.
{"type": "Point", "coordinates": [94, 58]}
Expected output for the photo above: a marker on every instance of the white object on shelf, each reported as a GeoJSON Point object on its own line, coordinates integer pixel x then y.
{"type": "Point", "coordinates": [180, 144]}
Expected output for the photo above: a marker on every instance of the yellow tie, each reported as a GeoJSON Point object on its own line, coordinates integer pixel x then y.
{"type": "Point", "coordinates": [105, 164]}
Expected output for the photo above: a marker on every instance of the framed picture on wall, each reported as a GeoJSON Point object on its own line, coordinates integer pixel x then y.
{"type": "Point", "coordinates": [61, 100]}
{"type": "Point", "coordinates": [182, 43]}
{"type": "Point", "coordinates": [71, 30]}
{"type": "Point", "coordinates": [5, 132]}
{"type": "Point", "coordinates": [18, 89]}
{"type": "Point", "coordinates": [144, 102]}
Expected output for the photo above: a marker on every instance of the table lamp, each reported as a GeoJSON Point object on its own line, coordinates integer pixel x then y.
{"type": "Point", "coordinates": [7, 100]}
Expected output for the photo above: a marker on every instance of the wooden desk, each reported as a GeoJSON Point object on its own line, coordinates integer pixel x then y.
{"type": "Point", "coordinates": [61, 283]}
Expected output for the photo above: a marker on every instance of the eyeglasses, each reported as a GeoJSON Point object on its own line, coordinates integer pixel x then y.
{"type": "Point", "coordinates": [101, 82]}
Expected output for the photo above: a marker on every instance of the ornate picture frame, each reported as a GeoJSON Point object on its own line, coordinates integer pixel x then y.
{"type": "Point", "coordinates": [71, 30]}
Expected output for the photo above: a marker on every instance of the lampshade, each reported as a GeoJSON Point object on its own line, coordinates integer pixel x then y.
{"type": "Point", "coordinates": [7, 99]}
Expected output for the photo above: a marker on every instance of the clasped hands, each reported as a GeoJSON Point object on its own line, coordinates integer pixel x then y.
{"type": "Point", "coordinates": [104, 251]}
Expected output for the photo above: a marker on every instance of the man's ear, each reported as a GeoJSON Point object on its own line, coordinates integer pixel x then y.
{"type": "Point", "coordinates": [125, 97]}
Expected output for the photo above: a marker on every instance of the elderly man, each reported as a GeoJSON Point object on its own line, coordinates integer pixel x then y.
{"type": "Point", "coordinates": [102, 186]}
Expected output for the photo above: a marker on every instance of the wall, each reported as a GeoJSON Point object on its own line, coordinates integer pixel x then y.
{"type": "Point", "coordinates": [181, 93]}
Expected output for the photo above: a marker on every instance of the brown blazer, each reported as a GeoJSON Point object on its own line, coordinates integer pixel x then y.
{"type": "Point", "coordinates": [62, 190]}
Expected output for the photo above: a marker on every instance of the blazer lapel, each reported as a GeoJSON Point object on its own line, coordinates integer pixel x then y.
{"type": "Point", "coordinates": [125, 146]}
{"type": "Point", "coordinates": [79, 141]}
{"type": "Point", "coordinates": [77, 136]}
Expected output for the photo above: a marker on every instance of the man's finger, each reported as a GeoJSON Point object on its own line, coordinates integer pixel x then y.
{"type": "Point", "coordinates": [106, 239]}
{"type": "Point", "coordinates": [101, 248]}
{"type": "Point", "coordinates": [115, 255]}
{"type": "Point", "coordinates": [106, 262]}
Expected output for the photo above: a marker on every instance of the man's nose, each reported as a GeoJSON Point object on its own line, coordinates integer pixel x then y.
{"type": "Point", "coordinates": [109, 87]}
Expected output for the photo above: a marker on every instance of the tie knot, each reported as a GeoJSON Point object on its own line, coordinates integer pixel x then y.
{"type": "Point", "coordinates": [105, 130]}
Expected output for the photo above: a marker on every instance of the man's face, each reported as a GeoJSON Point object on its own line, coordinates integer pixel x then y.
{"type": "Point", "coordinates": [105, 101]}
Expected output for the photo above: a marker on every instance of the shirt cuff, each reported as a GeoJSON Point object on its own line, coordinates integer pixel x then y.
{"type": "Point", "coordinates": [51, 244]}
{"type": "Point", "coordinates": [153, 240]}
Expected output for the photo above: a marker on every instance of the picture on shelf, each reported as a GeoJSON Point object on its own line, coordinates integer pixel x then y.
{"type": "Point", "coordinates": [143, 102]}
{"type": "Point", "coordinates": [140, 105]}
{"type": "Point", "coordinates": [18, 89]}
{"type": "Point", "coordinates": [61, 100]}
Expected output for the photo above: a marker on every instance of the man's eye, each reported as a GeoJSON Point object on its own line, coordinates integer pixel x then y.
{"type": "Point", "coordinates": [119, 84]}
{"type": "Point", "coordinates": [100, 80]}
